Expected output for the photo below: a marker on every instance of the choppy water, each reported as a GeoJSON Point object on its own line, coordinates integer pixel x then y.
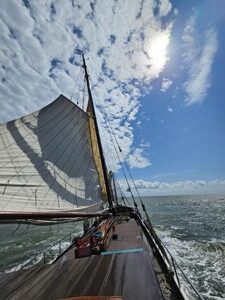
{"type": "Point", "coordinates": [19, 244]}
{"type": "Point", "coordinates": [192, 227]}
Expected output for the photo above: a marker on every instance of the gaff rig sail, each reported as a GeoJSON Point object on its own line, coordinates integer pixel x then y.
{"type": "Point", "coordinates": [52, 164]}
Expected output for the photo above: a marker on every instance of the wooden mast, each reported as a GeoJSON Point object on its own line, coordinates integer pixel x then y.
{"type": "Point", "coordinates": [92, 115]}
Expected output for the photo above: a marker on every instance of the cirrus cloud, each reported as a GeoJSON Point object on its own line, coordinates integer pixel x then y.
{"type": "Point", "coordinates": [199, 53]}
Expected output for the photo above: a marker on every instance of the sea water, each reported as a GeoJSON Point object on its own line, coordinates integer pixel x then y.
{"type": "Point", "coordinates": [192, 228]}
{"type": "Point", "coordinates": [24, 245]}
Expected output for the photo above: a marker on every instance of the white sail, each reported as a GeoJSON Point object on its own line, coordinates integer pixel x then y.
{"type": "Point", "coordinates": [46, 161]}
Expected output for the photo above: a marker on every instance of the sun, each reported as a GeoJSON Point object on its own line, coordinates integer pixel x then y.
{"type": "Point", "coordinates": [158, 50]}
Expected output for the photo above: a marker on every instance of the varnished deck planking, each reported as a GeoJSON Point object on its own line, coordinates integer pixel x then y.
{"type": "Point", "coordinates": [130, 275]}
{"type": "Point", "coordinates": [129, 236]}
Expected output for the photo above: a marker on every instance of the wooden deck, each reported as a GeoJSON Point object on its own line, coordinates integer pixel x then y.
{"type": "Point", "coordinates": [129, 237]}
{"type": "Point", "coordinates": [126, 270]}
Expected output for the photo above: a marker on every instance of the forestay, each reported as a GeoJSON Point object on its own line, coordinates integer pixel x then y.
{"type": "Point", "coordinates": [46, 161]}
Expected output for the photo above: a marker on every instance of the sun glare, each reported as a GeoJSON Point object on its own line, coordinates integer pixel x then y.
{"type": "Point", "coordinates": [158, 52]}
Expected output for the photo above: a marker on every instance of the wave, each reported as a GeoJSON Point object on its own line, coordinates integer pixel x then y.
{"type": "Point", "coordinates": [202, 260]}
{"type": "Point", "coordinates": [50, 255]}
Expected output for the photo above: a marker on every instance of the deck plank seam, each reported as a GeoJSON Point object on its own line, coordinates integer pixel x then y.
{"type": "Point", "coordinates": [120, 287]}
{"type": "Point", "coordinates": [90, 280]}
{"type": "Point", "coordinates": [105, 281]}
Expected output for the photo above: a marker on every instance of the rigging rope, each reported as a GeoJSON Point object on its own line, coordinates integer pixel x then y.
{"type": "Point", "coordinates": [84, 89]}
{"type": "Point", "coordinates": [112, 134]}
{"type": "Point", "coordinates": [75, 85]}
{"type": "Point", "coordinates": [123, 197]}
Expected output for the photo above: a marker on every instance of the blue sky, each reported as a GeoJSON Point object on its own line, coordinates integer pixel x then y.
{"type": "Point", "coordinates": [187, 142]}
{"type": "Point", "coordinates": [157, 67]}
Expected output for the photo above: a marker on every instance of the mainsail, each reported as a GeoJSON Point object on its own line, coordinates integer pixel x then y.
{"type": "Point", "coordinates": [47, 162]}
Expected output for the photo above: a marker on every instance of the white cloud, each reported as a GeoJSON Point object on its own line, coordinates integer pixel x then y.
{"type": "Point", "coordinates": [144, 145]}
{"type": "Point", "coordinates": [38, 41]}
{"type": "Point", "coordinates": [139, 124]}
{"type": "Point", "coordinates": [137, 160]}
{"type": "Point", "coordinates": [170, 109]}
{"type": "Point", "coordinates": [166, 83]}
{"type": "Point", "coordinates": [164, 8]}
{"type": "Point", "coordinates": [199, 48]}
{"type": "Point", "coordinates": [177, 188]}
